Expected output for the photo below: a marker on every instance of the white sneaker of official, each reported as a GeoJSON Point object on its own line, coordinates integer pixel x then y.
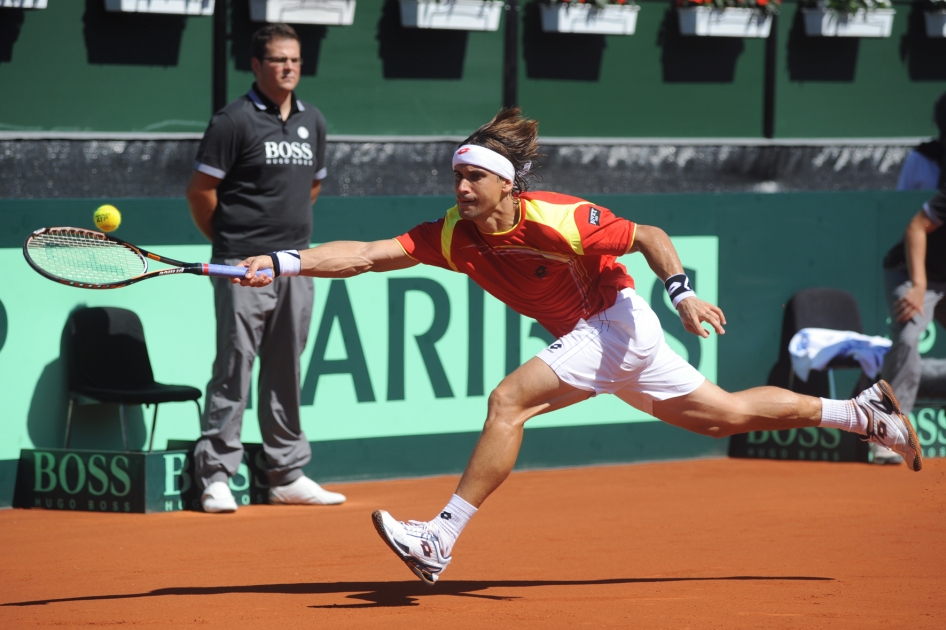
{"type": "Point", "coordinates": [217, 498]}
{"type": "Point", "coordinates": [883, 455]}
{"type": "Point", "coordinates": [304, 491]}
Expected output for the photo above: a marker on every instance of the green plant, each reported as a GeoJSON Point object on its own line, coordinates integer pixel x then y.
{"type": "Point", "coordinates": [768, 7]}
{"type": "Point", "coordinates": [598, 3]}
{"type": "Point", "coordinates": [850, 6]}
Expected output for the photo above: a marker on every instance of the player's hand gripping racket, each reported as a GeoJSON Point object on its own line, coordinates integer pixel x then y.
{"type": "Point", "coordinates": [93, 260]}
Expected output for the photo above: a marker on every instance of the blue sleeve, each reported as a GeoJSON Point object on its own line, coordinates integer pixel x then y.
{"type": "Point", "coordinates": [918, 173]}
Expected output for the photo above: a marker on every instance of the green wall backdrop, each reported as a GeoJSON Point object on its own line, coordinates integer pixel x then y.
{"type": "Point", "coordinates": [846, 87]}
{"type": "Point", "coordinates": [363, 375]}
{"type": "Point", "coordinates": [655, 83]}
{"type": "Point", "coordinates": [75, 67]}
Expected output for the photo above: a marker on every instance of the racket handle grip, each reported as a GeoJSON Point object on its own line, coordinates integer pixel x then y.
{"type": "Point", "coordinates": [226, 271]}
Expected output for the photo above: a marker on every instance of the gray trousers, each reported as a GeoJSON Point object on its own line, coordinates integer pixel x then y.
{"type": "Point", "coordinates": [902, 363]}
{"type": "Point", "coordinates": [273, 323]}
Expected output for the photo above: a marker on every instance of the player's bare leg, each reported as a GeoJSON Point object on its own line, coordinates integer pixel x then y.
{"type": "Point", "coordinates": [425, 546]}
{"type": "Point", "coordinates": [531, 390]}
{"type": "Point", "coordinates": [875, 414]}
{"type": "Point", "coordinates": [711, 410]}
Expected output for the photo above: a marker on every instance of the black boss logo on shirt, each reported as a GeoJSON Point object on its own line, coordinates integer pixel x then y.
{"type": "Point", "coordinates": [541, 271]}
{"type": "Point", "coordinates": [594, 216]}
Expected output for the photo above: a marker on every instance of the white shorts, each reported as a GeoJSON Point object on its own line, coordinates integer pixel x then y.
{"type": "Point", "coordinates": [622, 351]}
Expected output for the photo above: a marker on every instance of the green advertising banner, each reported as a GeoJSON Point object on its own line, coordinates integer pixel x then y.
{"type": "Point", "coordinates": [808, 444]}
{"type": "Point", "coordinates": [412, 352]}
{"type": "Point", "coordinates": [400, 364]}
{"type": "Point", "coordinates": [110, 481]}
{"type": "Point", "coordinates": [930, 423]}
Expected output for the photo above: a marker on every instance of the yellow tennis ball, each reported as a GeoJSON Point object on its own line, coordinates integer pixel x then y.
{"type": "Point", "coordinates": [107, 218]}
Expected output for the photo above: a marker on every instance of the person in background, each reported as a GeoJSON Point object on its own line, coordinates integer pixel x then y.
{"type": "Point", "coordinates": [921, 169]}
{"type": "Point", "coordinates": [915, 272]}
{"type": "Point", "coordinates": [259, 169]}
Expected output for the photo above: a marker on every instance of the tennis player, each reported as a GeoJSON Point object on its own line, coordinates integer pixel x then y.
{"type": "Point", "coordinates": [553, 257]}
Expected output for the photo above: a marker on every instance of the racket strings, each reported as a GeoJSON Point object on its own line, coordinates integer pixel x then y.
{"type": "Point", "coordinates": [83, 257]}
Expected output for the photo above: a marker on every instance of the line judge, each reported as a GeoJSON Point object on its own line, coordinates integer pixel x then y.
{"type": "Point", "coordinates": [259, 169]}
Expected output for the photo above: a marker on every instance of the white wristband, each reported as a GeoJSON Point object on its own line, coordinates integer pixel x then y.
{"type": "Point", "coordinates": [286, 263]}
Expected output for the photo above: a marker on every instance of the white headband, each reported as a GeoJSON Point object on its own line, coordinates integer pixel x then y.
{"type": "Point", "coordinates": [475, 155]}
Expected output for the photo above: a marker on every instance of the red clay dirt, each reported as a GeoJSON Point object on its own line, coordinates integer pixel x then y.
{"type": "Point", "coordinates": [699, 544]}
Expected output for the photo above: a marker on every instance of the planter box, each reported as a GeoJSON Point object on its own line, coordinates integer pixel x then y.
{"type": "Point", "coordinates": [710, 22]}
{"type": "Point", "coordinates": [824, 23]}
{"type": "Point", "coordinates": [464, 15]}
{"type": "Point", "coordinates": [333, 12]}
{"type": "Point", "coordinates": [615, 19]}
{"type": "Point", "coordinates": [23, 4]}
{"type": "Point", "coordinates": [176, 7]}
{"type": "Point", "coordinates": [935, 23]}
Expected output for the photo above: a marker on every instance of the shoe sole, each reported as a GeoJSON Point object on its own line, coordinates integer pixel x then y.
{"type": "Point", "coordinates": [912, 440]}
{"type": "Point", "coordinates": [226, 510]}
{"type": "Point", "coordinates": [425, 576]}
{"type": "Point", "coordinates": [274, 500]}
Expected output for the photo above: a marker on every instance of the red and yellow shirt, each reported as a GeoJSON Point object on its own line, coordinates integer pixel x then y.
{"type": "Point", "coordinates": [558, 264]}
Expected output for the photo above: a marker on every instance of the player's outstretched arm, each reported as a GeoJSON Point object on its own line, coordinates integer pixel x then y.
{"type": "Point", "coordinates": [337, 259]}
{"type": "Point", "coordinates": [662, 257]}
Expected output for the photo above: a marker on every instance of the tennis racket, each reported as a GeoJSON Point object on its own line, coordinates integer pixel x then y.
{"type": "Point", "coordinates": [92, 260]}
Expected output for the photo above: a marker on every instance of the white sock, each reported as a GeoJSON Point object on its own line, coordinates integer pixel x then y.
{"type": "Point", "coordinates": [844, 415]}
{"type": "Point", "coordinates": [451, 521]}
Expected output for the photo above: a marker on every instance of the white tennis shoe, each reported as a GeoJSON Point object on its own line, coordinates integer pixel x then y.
{"type": "Point", "coordinates": [414, 542]}
{"type": "Point", "coordinates": [304, 491]}
{"type": "Point", "coordinates": [887, 426]}
{"type": "Point", "coordinates": [217, 498]}
{"type": "Point", "coordinates": [883, 455]}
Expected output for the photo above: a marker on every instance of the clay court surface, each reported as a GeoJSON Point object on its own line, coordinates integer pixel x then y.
{"type": "Point", "coordinates": [701, 544]}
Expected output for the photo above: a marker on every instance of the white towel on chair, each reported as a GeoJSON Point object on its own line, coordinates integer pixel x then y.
{"type": "Point", "coordinates": [814, 348]}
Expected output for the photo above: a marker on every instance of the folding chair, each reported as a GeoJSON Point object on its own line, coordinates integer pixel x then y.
{"type": "Point", "coordinates": [107, 362]}
{"type": "Point", "coordinates": [833, 309]}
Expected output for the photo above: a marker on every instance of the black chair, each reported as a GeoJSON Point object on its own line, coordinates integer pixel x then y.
{"type": "Point", "coordinates": [107, 362]}
{"type": "Point", "coordinates": [833, 309]}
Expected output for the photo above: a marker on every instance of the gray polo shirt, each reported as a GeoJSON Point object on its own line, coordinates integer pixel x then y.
{"type": "Point", "coordinates": [267, 167]}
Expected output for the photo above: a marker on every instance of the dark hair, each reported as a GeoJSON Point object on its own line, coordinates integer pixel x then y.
{"type": "Point", "coordinates": [514, 137]}
{"type": "Point", "coordinates": [268, 33]}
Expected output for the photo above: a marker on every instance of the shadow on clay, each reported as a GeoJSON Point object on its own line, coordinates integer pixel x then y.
{"type": "Point", "coordinates": [394, 594]}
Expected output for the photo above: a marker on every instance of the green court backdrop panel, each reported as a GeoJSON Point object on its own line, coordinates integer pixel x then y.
{"type": "Point", "coordinates": [364, 375]}
{"type": "Point", "coordinates": [8, 469]}
{"type": "Point", "coordinates": [840, 87]}
{"type": "Point", "coordinates": [75, 67]}
{"type": "Point", "coordinates": [412, 352]}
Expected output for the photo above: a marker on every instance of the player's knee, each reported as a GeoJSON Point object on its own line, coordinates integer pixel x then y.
{"type": "Point", "coordinates": [503, 407]}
